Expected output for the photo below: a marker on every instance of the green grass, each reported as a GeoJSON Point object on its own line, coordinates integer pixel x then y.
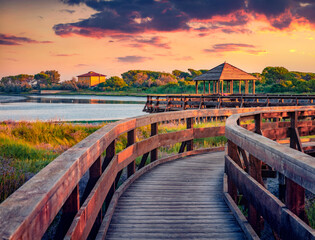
{"type": "Point", "coordinates": [26, 148]}
{"type": "Point", "coordinates": [310, 211]}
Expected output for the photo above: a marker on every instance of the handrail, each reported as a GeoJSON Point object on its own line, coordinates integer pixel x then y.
{"type": "Point", "coordinates": [177, 102]}
{"type": "Point", "coordinates": [29, 211]}
{"type": "Point", "coordinates": [247, 151]}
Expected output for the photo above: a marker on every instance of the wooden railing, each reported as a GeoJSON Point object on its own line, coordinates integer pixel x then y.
{"type": "Point", "coordinates": [249, 149]}
{"type": "Point", "coordinates": [173, 102]}
{"type": "Point", "coordinates": [52, 197]}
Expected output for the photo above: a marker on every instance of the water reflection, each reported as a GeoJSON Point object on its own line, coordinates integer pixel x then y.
{"type": "Point", "coordinates": [77, 99]}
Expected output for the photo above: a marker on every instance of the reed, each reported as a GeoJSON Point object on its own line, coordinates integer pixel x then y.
{"type": "Point", "coordinates": [27, 147]}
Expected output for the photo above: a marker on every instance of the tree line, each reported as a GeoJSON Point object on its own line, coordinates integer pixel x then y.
{"type": "Point", "coordinates": [271, 80]}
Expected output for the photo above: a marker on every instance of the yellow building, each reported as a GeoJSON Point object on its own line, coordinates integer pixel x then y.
{"type": "Point", "coordinates": [91, 78]}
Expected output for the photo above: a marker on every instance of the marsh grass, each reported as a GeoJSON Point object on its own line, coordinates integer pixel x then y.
{"type": "Point", "coordinates": [27, 147]}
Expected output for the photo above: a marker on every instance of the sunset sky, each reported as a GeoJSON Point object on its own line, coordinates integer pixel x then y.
{"type": "Point", "coordinates": [114, 36]}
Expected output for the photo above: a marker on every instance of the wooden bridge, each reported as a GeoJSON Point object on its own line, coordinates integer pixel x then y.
{"type": "Point", "coordinates": [192, 194]}
{"type": "Point", "coordinates": [178, 102]}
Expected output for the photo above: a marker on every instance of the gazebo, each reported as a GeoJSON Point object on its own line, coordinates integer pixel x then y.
{"type": "Point", "coordinates": [225, 72]}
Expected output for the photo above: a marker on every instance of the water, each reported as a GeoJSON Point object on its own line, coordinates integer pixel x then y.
{"type": "Point", "coordinates": [69, 108]}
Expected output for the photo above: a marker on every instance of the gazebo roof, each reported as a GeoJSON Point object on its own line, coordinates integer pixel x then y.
{"type": "Point", "coordinates": [225, 71]}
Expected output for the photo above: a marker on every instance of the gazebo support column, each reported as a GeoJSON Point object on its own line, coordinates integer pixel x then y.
{"type": "Point", "coordinates": [204, 87]}
{"type": "Point", "coordinates": [209, 87]}
{"type": "Point", "coordinates": [222, 87]}
{"type": "Point", "coordinates": [240, 87]}
{"type": "Point", "coordinates": [231, 87]}
{"type": "Point", "coordinates": [254, 87]}
{"type": "Point", "coordinates": [196, 87]}
{"type": "Point", "coordinates": [246, 87]}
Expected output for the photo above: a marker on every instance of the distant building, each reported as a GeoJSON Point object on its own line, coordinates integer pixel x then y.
{"type": "Point", "coordinates": [92, 78]}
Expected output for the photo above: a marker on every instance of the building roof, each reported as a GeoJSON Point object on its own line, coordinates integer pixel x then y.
{"type": "Point", "coordinates": [225, 71]}
{"type": "Point", "coordinates": [92, 74]}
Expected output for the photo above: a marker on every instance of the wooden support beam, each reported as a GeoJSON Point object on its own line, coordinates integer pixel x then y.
{"type": "Point", "coordinates": [131, 139]}
{"type": "Point", "coordinates": [209, 87]}
{"type": "Point", "coordinates": [255, 171]}
{"type": "Point", "coordinates": [295, 194]}
{"type": "Point", "coordinates": [190, 143]}
{"type": "Point", "coordinates": [95, 172]}
{"type": "Point", "coordinates": [69, 210]}
{"type": "Point", "coordinates": [196, 87]}
{"type": "Point", "coordinates": [204, 87]}
{"type": "Point", "coordinates": [246, 87]}
{"type": "Point", "coordinates": [231, 87]}
{"type": "Point", "coordinates": [154, 131]}
{"type": "Point", "coordinates": [213, 86]}
{"type": "Point", "coordinates": [254, 88]}
{"type": "Point", "coordinates": [240, 87]}
{"type": "Point", "coordinates": [222, 87]}
{"type": "Point", "coordinates": [143, 160]}
{"type": "Point", "coordinates": [110, 153]}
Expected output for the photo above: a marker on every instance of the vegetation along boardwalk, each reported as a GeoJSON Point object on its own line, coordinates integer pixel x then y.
{"type": "Point", "coordinates": [182, 199]}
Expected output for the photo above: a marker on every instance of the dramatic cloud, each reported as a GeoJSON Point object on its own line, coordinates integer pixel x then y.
{"type": "Point", "coordinates": [154, 41]}
{"type": "Point", "coordinates": [145, 16]}
{"type": "Point", "coordinates": [6, 39]}
{"type": "Point", "coordinates": [234, 47]}
{"type": "Point", "coordinates": [133, 59]}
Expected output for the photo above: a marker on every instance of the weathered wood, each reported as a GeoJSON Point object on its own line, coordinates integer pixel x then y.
{"type": "Point", "coordinates": [131, 138]}
{"type": "Point", "coordinates": [143, 160]}
{"type": "Point", "coordinates": [69, 210]}
{"type": "Point", "coordinates": [82, 225]}
{"type": "Point", "coordinates": [292, 164]}
{"type": "Point", "coordinates": [53, 185]}
{"type": "Point", "coordinates": [148, 220]}
{"type": "Point", "coordinates": [154, 131]}
{"type": "Point", "coordinates": [273, 210]}
{"type": "Point", "coordinates": [236, 100]}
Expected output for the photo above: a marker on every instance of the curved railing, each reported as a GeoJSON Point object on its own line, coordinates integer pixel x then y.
{"type": "Point", "coordinates": [177, 102]}
{"type": "Point", "coordinates": [250, 149]}
{"type": "Point", "coordinates": [52, 197]}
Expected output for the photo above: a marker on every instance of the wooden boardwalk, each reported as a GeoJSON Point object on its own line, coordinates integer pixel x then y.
{"type": "Point", "coordinates": [182, 199]}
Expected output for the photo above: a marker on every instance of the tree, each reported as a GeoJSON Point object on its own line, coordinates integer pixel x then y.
{"type": "Point", "coordinates": [180, 74]}
{"type": "Point", "coordinates": [115, 82]}
{"type": "Point", "coordinates": [54, 76]}
{"type": "Point", "coordinates": [194, 73]}
{"type": "Point", "coordinates": [42, 78]}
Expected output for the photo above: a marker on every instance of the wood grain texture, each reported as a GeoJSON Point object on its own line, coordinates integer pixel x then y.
{"type": "Point", "coordinates": [182, 199]}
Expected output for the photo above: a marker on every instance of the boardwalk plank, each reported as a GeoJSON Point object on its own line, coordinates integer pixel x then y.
{"type": "Point", "coordinates": [176, 200]}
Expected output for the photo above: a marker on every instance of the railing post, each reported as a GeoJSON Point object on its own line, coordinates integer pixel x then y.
{"type": "Point", "coordinates": [255, 171]}
{"type": "Point", "coordinates": [95, 172]}
{"type": "Point", "coordinates": [69, 210]}
{"type": "Point", "coordinates": [131, 138]}
{"type": "Point", "coordinates": [232, 190]}
{"type": "Point", "coordinates": [295, 194]}
{"type": "Point", "coordinates": [190, 143]}
{"type": "Point", "coordinates": [110, 153]}
{"type": "Point", "coordinates": [154, 131]}
{"type": "Point", "coordinates": [258, 123]}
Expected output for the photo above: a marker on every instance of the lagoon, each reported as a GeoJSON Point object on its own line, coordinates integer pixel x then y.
{"type": "Point", "coordinates": [72, 108]}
